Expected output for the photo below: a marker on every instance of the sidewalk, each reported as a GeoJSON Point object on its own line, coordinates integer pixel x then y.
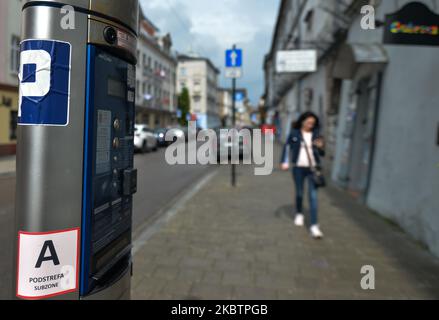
{"type": "Point", "coordinates": [241, 244]}
{"type": "Point", "coordinates": [7, 165]}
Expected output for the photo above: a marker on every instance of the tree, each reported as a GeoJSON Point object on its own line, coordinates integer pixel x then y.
{"type": "Point", "coordinates": [184, 104]}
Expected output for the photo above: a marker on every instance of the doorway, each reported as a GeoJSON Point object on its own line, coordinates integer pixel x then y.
{"type": "Point", "coordinates": [363, 137]}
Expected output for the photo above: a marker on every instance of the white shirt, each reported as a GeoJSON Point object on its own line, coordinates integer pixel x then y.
{"type": "Point", "coordinates": [303, 160]}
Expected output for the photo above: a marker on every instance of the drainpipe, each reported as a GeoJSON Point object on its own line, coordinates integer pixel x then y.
{"type": "Point", "coordinates": [374, 135]}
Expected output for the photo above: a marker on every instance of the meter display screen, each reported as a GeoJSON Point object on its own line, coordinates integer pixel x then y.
{"type": "Point", "coordinates": [116, 88]}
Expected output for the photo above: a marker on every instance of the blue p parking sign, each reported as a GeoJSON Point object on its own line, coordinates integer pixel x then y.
{"type": "Point", "coordinates": [45, 67]}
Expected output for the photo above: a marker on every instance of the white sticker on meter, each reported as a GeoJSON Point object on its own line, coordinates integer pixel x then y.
{"type": "Point", "coordinates": [48, 264]}
{"type": "Point", "coordinates": [103, 142]}
{"type": "Point", "coordinates": [131, 76]}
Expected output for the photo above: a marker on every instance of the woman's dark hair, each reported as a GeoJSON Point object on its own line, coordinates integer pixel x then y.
{"type": "Point", "coordinates": [299, 123]}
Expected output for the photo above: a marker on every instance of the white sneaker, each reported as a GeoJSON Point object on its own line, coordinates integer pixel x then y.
{"type": "Point", "coordinates": [316, 233]}
{"type": "Point", "coordinates": [300, 220]}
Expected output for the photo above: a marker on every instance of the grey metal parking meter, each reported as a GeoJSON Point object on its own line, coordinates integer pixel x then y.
{"type": "Point", "coordinates": [75, 175]}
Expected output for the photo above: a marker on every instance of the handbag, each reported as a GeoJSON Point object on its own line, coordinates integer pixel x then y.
{"type": "Point", "coordinates": [316, 173]}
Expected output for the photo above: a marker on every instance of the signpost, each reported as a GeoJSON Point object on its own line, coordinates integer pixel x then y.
{"type": "Point", "coordinates": [234, 61]}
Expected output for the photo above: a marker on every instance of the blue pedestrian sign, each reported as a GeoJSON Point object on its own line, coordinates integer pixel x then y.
{"type": "Point", "coordinates": [45, 67]}
{"type": "Point", "coordinates": [239, 97]}
{"type": "Point", "coordinates": [234, 58]}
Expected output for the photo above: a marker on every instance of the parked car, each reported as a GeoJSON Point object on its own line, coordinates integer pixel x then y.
{"type": "Point", "coordinates": [160, 135]}
{"type": "Point", "coordinates": [144, 139]}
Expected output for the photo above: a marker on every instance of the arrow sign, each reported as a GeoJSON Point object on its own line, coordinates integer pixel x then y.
{"type": "Point", "coordinates": [234, 58]}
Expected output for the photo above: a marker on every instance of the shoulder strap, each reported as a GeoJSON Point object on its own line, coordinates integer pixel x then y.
{"type": "Point", "coordinates": [311, 165]}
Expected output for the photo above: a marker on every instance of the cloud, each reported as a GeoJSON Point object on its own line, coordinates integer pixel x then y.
{"type": "Point", "coordinates": [209, 28]}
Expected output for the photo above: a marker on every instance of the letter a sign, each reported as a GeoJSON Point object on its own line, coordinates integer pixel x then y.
{"type": "Point", "coordinates": [47, 264]}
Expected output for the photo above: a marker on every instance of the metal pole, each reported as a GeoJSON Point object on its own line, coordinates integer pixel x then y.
{"type": "Point", "coordinates": [234, 127]}
{"type": "Point", "coordinates": [234, 124]}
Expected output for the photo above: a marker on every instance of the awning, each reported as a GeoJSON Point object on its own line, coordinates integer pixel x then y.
{"type": "Point", "coordinates": [353, 56]}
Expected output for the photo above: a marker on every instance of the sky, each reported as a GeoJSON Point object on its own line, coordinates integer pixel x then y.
{"type": "Point", "coordinates": [210, 27]}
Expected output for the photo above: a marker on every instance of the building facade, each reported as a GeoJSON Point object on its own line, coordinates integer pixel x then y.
{"type": "Point", "coordinates": [156, 101]}
{"type": "Point", "coordinates": [225, 102]}
{"type": "Point", "coordinates": [306, 25]}
{"type": "Point", "coordinates": [10, 31]}
{"type": "Point", "coordinates": [242, 104]}
{"type": "Point", "coordinates": [388, 134]}
{"type": "Point", "coordinates": [200, 77]}
{"type": "Point", "coordinates": [376, 98]}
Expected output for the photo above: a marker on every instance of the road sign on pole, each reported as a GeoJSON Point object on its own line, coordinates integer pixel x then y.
{"type": "Point", "coordinates": [234, 59]}
{"type": "Point", "coordinates": [233, 73]}
{"type": "Point", "coordinates": [234, 62]}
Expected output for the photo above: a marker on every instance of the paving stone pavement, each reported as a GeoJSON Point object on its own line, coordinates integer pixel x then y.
{"type": "Point", "coordinates": [241, 244]}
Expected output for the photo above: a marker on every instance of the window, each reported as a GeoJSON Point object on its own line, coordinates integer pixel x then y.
{"type": "Point", "coordinates": [13, 126]}
{"type": "Point", "coordinates": [15, 54]}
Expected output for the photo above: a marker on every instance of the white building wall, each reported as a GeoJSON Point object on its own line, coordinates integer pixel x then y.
{"type": "Point", "coordinates": [158, 81]}
{"type": "Point", "coordinates": [192, 75]}
{"type": "Point", "coordinates": [405, 172]}
{"type": "Point", "coordinates": [202, 82]}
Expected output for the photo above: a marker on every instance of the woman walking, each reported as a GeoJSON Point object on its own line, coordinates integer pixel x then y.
{"type": "Point", "coordinates": [306, 148]}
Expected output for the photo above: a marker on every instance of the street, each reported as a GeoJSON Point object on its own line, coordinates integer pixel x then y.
{"type": "Point", "coordinates": [159, 184]}
{"type": "Point", "coordinates": [304, 161]}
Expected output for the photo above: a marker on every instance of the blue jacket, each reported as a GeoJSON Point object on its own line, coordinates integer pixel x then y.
{"type": "Point", "coordinates": [293, 146]}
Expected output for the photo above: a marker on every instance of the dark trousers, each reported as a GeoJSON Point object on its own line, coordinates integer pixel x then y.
{"type": "Point", "coordinates": [300, 176]}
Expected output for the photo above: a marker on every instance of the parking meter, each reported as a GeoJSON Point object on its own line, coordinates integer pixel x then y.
{"type": "Point", "coordinates": [75, 171]}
